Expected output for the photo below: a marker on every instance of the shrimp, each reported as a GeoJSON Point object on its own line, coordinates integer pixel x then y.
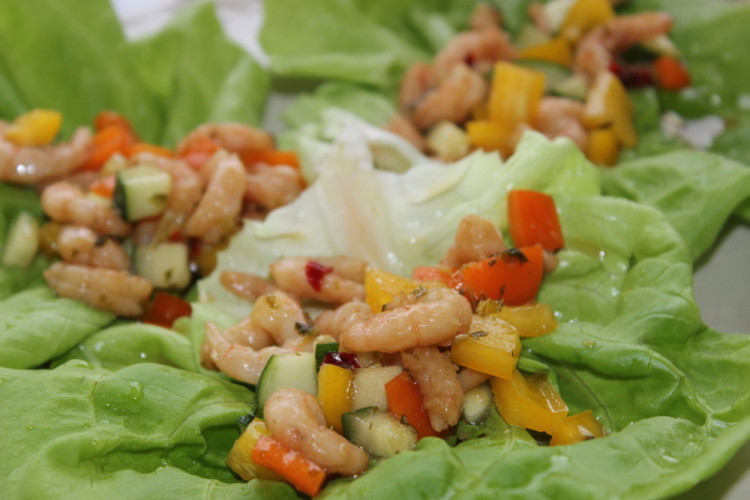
{"type": "Point", "coordinates": [425, 317]}
{"type": "Point", "coordinates": [270, 187]}
{"type": "Point", "coordinates": [438, 382]}
{"type": "Point", "coordinates": [484, 16]}
{"type": "Point", "coordinates": [295, 418]}
{"type": "Point", "coordinates": [336, 321]}
{"type": "Point", "coordinates": [280, 316]}
{"type": "Point", "coordinates": [537, 16]}
{"type": "Point", "coordinates": [66, 202]}
{"type": "Point", "coordinates": [418, 80]}
{"type": "Point", "coordinates": [29, 165]}
{"type": "Point", "coordinates": [334, 280]}
{"type": "Point", "coordinates": [469, 379]}
{"type": "Point", "coordinates": [405, 129]}
{"type": "Point", "coordinates": [453, 100]}
{"type": "Point", "coordinates": [476, 239]}
{"type": "Point", "coordinates": [116, 291]}
{"type": "Point", "coordinates": [478, 49]}
{"type": "Point", "coordinates": [81, 245]}
{"type": "Point", "coordinates": [558, 116]}
{"type": "Point", "coordinates": [218, 210]}
{"type": "Point", "coordinates": [245, 285]}
{"type": "Point", "coordinates": [233, 137]}
{"type": "Point", "coordinates": [239, 361]}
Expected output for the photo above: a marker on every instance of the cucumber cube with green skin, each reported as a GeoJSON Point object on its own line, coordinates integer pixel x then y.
{"type": "Point", "coordinates": [379, 432]}
{"type": "Point", "coordinates": [294, 371]}
{"type": "Point", "coordinates": [141, 191]}
{"type": "Point", "coordinates": [165, 265]}
{"type": "Point", "coordinates": [22, 241]}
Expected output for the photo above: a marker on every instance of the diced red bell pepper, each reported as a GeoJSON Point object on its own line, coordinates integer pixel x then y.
{"type": "Point", "coordinates": [165, 309]}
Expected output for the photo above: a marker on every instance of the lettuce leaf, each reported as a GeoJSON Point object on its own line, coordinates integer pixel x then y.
{"type": "Point", "coordinates": [162, 83]}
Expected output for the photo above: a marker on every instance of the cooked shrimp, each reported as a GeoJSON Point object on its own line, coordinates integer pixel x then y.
{"type": "Point", "coordinates": [436, 376]}
{"type": "Point", "coordinates": [453, 100]}
{"type": "Point", "coordinates": [66, 202]}
{"type": "Point", "coordinates": [246, 285]}
{"type": "Point", "coordinates": [315, 279]}
{"type": "Point", "coordinates": [537, 16]}
{"type": "Point", "coordinates": [270, 187]}
{"type": "Point", "coordinates": [558, 116]}
{"type": "Point", "coordinates": [219, 208]}
{"type": "Point", "coordinates": [280, 316]}
{"type": "Point", "coordinates": [81, 245]}
{"type": "Point", "coordinates": [470, 379]}
{"type": "Point", "coordinates": [233, 137]}
{"type": "Point", "coordinates": [484, 16]}
{"type": "Point", "coordinates": [239, 361]}
{"type": "Point", "coordinates": [295, 418]}
{"type": "Point", "coordinates": [29, 165]}
{"type": "Point", "coordinates": [425, 317]}
{"type": "Point", "coordinates": [405, 129]}
{"type": "Point", "coordinates": [117, 291]}
{"type": "Point", "coordinates": [551, 261]}
{"type": "Point", "coordinates": [336, 321]}
{"type": "Point", "coordinates": [477, 49]}
{"type": "Point", "coordinates": [476, 239]}
{"type": "Point", "coordinates": [418, 80]}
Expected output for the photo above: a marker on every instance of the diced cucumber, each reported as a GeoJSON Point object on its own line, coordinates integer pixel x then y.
{"type": "Point", "coordinates": [554, 73]}
{"type": "Point", "coordinates": [141, 191]}
{"type": "Point", "coordinates": [295, 371]}
{"type": "Point", "coordinates": [555, 12]}
{"type": "Point", "coordinates": [324, 348]}
{"type": "Point", "coordinates": [369, 386]}
{"type": "Point", "coordinates": [573, 87]}
{"type": "Point", "coordinates": [22, 241]}
{"type": "Point", "coordinates": [380, 433]}
{"type": "Point", "coordinates": [165, 265]}
{"type": "Point", "coordinates": [477, 403]}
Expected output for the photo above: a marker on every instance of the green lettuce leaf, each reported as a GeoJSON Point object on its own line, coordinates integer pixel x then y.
{"type": "Point", "coordinates": [36, 326]}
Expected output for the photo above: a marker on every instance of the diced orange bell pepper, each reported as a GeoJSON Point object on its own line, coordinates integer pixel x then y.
{"type": "Point", "coordinates": [529, 402]}
{"type": "Point", "coordinates": [585, 15]}
{"type": "Point", "coordinates": [382, 287]}
{"type": "Point", "coordinates": [271, 157]}
{"type": "Point", "coordinates": [38, 127]}
{"type": "Point", "coordinates": [104, 186]}
{"type": "Point", "coordinates": [530, 320]}
{"type": "Point", "coordinates": [513, 277]}
{"type": "Point", "coordinates": [432, 274]}
{"type": "Point", "coordinates": [335, 393]}
{"type": "Point", "coordinates": [301, 472]}
{"type": "Point", "coordinates": [492, 346]}
{"type": "Point", "coordinates": [532, 220]}
{"type": "Point", "coordinates": [196, 152]}
{"type": "Point", "coordinates": [106, 119]}
{"type": "Point", "coordinates": [515, 94]}
{"type": "Point", "coordinates": [608, 104]}
{"type": "Point", "coordinates": [670, 73]}
{"type": "Point", "coordinates": [491, 136]}
{"type": "Point", "coordinates": [105, 143]}
{"type": "Point", "coordinates": [406, 401]}
{"type": "Point", "coordinates": [556, 50]}
{"type": "Point", "coordinates": [602, 147]}
{"type": "Point", "coordinates": [240, 456]}
{"type": "Point", "coordinates": [142, 147]}
{"type": "Point", "coordinates": [576, 428]}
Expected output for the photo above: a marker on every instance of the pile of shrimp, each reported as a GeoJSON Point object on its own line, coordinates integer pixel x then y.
{"type": "Point", "coordinates": [210, 194]}
{"type": "Point", "coordinates": [415, 331]}
{"type": "Point", "coordinates": [454, 87]}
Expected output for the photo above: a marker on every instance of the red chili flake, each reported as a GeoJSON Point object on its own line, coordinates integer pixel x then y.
{"type": "Point", "coordinates": [176, 236]}
{"type": "Point", "coordinates": [315, 272]}
{"type": "Point", "coordinates": [342, 359]}
{"type": "Point", "coordinates": [632, 77]}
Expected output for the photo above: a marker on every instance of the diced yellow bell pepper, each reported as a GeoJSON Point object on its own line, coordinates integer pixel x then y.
{"type": "Point", "coordinates": [382, 287]}
{"type": "Point", "coordinates": [491, 136]}
{"type": "Point", "coordinates": [530, 320]}
{"type": "Point", "coordinates": [515, 94]}
{"type": "Point", "coordinates": [608, 104]}
{"type": "Point", "coordinates": [602, 147]}
{"type": "Point", "coordinates": [585, 15]}
{"type": "Point", "coordinates": [556, 50]}
{"type": "Point", "coordinates": [240, 456]}
{"type": "Point", "coordinates": [529, 402]}
{"type": "Point", "coordinates": [576, 428]}
{"type": "Point", "coordinates": [35, 128]}
{"type": "Point", "coordinates": [481, 111]}
{"type": "Point", "coordinates": [492, 346]}
{"type": "Point", "coordinates": [335, 393]}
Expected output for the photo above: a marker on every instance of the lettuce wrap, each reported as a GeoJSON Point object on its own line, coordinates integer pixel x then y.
{"type": "Point", "coordinates": [95, 408]}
